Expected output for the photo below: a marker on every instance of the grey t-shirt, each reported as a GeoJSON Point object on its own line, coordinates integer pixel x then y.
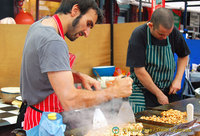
{"type": "Point", "coordinates": [44, 51]}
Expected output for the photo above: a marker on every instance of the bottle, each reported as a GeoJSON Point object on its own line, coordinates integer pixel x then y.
{"type": "Point", "coordinates": [190, 112]}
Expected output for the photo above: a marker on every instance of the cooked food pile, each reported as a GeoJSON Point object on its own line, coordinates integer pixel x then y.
{"type": "Point", "coordinates": [134, 129]}
{"type": "Point", "coordinates": [171, 117]}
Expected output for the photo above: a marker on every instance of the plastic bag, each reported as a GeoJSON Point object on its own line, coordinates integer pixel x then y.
{"type": "Point", "coordinates": [48, 127]}
{"type": "Point", "coordinates": [33, 132]}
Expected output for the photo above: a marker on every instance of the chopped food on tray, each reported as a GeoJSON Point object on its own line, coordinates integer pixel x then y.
{"type": "Point", "coordinates": [171, 117]}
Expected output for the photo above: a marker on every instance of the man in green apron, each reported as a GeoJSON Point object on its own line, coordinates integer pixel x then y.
{"type": "Point", "coordinates": [151, 60]}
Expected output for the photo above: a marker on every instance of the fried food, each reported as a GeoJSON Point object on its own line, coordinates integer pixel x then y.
{"type": "Point", "coordinates": [171, 117]}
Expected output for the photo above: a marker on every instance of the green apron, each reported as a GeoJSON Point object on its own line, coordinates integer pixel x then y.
{"type": "Point", "coordinates": [160, 65]}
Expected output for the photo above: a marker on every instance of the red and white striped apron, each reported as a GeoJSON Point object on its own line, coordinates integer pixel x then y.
{"type": "Point", "coordinates": [51, 103]}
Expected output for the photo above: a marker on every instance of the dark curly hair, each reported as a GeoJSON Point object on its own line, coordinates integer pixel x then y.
{"type": "Point", "coordinates": [84, 6]}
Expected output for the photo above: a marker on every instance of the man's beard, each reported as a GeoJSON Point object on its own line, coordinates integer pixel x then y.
{"type": "Point", "coordinates": [72, 37]}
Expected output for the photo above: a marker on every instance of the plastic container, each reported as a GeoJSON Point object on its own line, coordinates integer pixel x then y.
{"type": "Point", "coordinates": [24, 17]}
{"type": "Point", "coordinates": [103, 80]}
{"type": "Point", "coordinates": [103, 70]}
{"type": "Point", "coordinates": [190, 112]}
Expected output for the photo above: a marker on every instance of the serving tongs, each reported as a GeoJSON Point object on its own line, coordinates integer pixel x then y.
{"type": "Point", "coordinates": [98, 76]}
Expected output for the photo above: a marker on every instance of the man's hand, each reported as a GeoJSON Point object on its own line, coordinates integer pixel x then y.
{"type": "Point", "coordinates": [121, 87]}
{"type": "Point", "coordinates": [88, 82]}
{"type": "Point", "coordinates": [175, 86]}
{"type": "Point", "coordinates": [73, 98]}
{"type": "Point", "coordinates": [148, 83]}
{"type": "Point", "coordinates": [162, 98]}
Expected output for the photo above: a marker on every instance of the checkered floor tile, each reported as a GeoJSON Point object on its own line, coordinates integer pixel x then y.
{"type": "Point", "coordinates": [8, 114]}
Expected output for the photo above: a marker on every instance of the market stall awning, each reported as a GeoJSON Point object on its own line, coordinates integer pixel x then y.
{"type": "Point", "coordinates": [192, 6]}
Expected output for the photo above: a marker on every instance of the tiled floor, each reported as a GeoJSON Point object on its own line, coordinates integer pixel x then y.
{"type": "Point", "coordinates": [8, 114]}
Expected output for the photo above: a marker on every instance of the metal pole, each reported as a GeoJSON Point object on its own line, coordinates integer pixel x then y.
{"type": "Point", "coordinates": [37, 10]}
{"type": "Point", "coordinates": [185, 16]}
{"type": "Point", "coordinates": [111, 31]}
{"type": "Point", "coordinates": [140, 11]}
{"type": "Point", "coordinates": [101, 3]}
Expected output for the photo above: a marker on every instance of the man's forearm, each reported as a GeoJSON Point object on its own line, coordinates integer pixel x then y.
{"type": "Point", "coordinates": [181, 64]}
{"type": "Point", "coordinates": [85, 98]}
{"type": "Point", "coordinates": [147, 81]}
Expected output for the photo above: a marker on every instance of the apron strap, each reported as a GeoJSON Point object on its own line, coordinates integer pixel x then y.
{"type": "Point", "coordinates": [60, 29]}
{"type": "Point", "coordinates": [20, 117]}
{"type": "Point", "coordinates": [32, 107]}
{"type": "Point", "coordinates": [59, 25]}
{"type": "Point", "coordinates": [22, 111]}
{"type": "Point", "coordinates": [168, 42]}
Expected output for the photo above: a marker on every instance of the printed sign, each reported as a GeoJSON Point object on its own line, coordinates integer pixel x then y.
{"type": "Point", "coordinates": [157, 4]}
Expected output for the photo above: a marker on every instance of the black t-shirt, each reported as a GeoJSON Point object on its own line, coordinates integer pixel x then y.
{"type": "Point", "coordinates": [138, 43]}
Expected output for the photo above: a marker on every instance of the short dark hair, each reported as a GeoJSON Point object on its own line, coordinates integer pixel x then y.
{"type": "Point", "coordinates": [164, 17]}
{"type": "Point", "coordinates": [84, 6]}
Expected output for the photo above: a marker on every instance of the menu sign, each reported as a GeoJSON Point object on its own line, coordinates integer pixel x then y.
{"type": "Point", "coordinates": [157, 4]}
{"type": "Point", "coordinates": [194, 19]}
{"type": "Point", "coordinates": [177, 17]}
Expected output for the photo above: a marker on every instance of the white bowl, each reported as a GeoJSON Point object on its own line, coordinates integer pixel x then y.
{"type": "Point", "coordinates": [12, 90]}
{"type": "Point", "coordinates": [9, 94]}
{"type": "Point", "coordinates": [104, 79]}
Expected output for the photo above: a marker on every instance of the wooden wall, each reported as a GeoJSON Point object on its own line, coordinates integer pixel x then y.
{"type": "Point", "coordinates": [93, 50]}
{"type": "Point", "coordinates": [90, 52]}
{"type": "Point", "coordinates": [12, 39]}
{"type": "Point", "coordinates": [122, 33]}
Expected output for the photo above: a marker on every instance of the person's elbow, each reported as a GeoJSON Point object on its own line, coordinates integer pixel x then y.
{"type": "Point", "coordinates": [68, 99]}
{"type": "Point", "coordinates": [139, 71]}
